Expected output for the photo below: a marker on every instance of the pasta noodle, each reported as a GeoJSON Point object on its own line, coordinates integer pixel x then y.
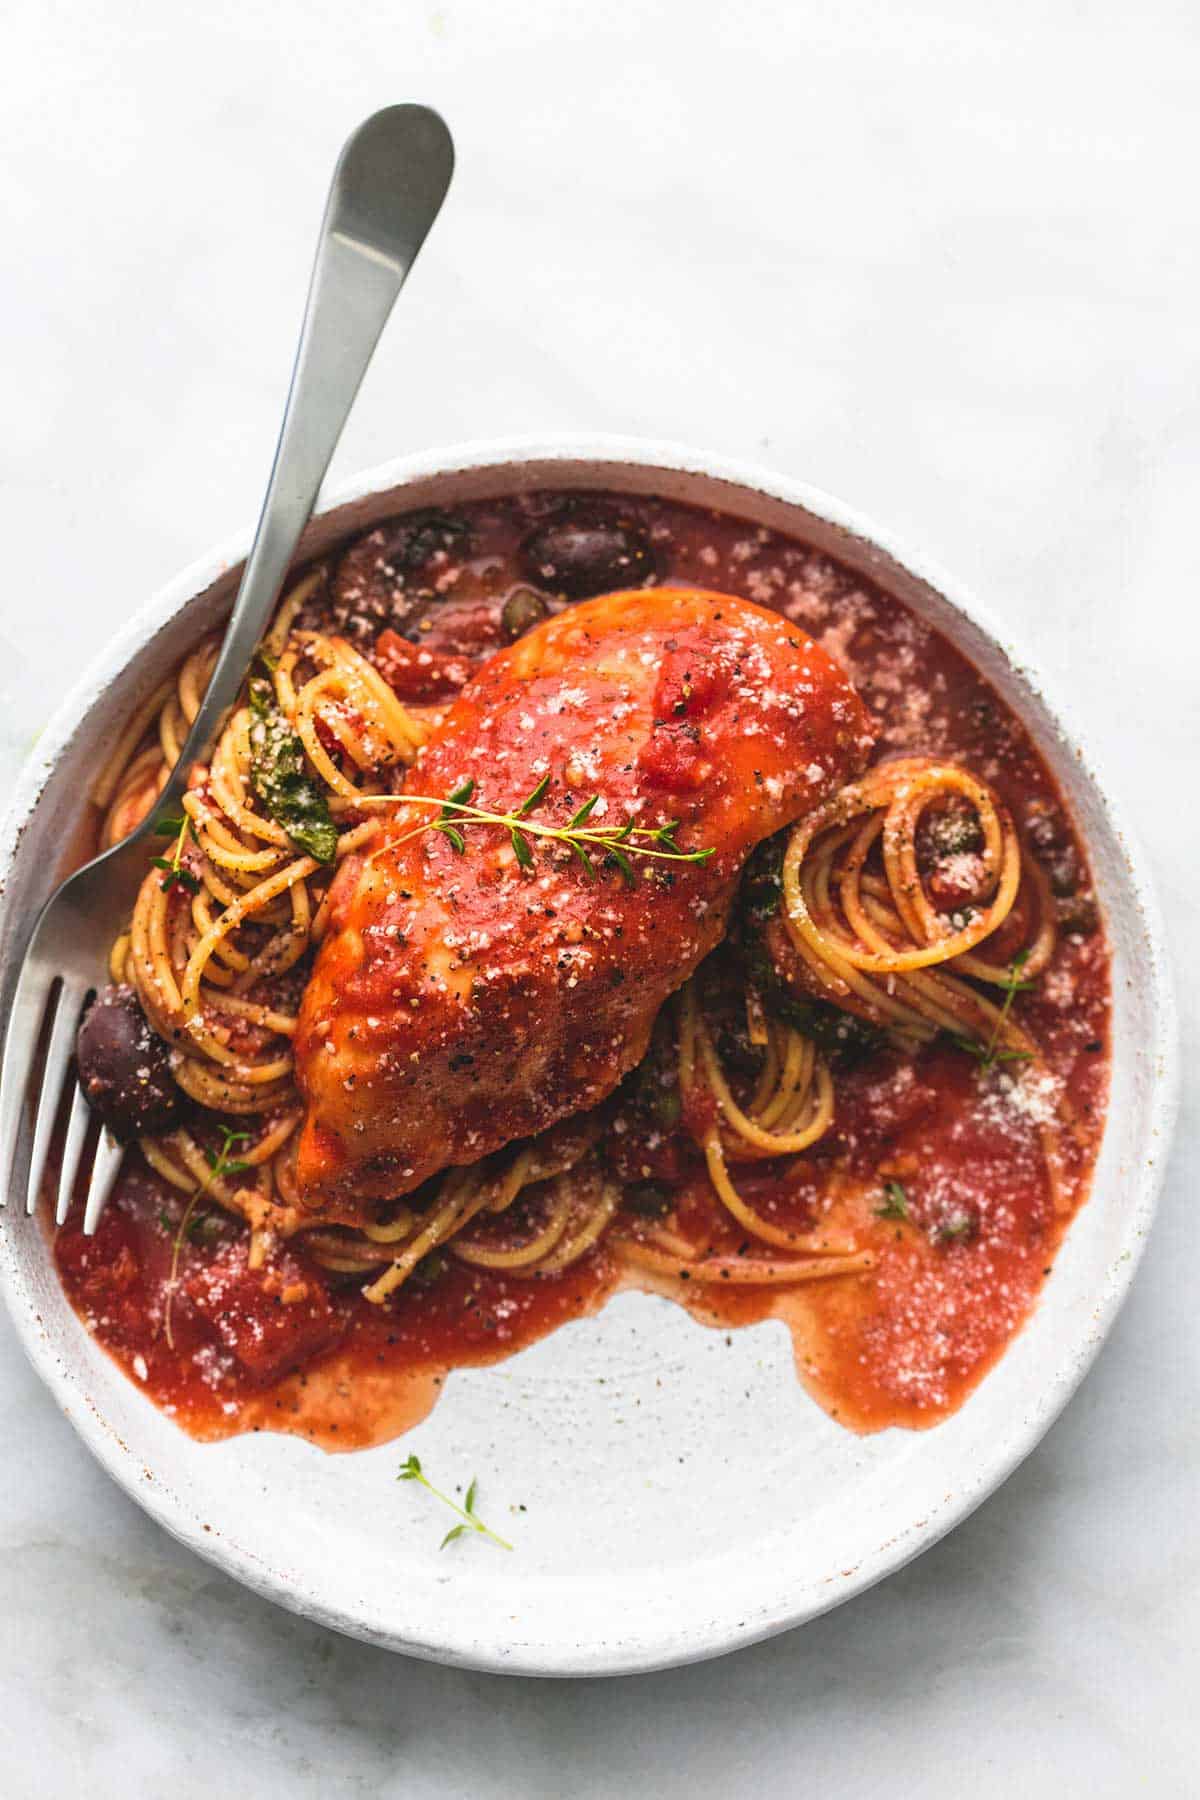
{"type": "Point", "coordinates": [216, 970]}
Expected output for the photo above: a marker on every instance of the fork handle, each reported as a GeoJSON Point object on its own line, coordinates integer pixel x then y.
{"type": "Point", "coordinates": [386, 192]}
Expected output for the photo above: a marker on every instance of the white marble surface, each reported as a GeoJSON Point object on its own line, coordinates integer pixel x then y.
{"type": "Point", "coordinates": [939, 258]}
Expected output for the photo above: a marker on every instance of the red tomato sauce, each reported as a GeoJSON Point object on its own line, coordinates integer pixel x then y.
{"type": "Point", "coordinates": [226, 1349]}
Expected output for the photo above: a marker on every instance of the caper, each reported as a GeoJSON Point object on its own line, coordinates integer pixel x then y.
{"type": "Point", "coordinates": [648, 1199]}
{"type": "Point", "coordinates": [668, 1107]}
{"type": "Point", "coordinates": [523, 608]}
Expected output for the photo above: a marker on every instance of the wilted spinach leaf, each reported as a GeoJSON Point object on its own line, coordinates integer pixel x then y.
{"type": "Point", "coordinates": [279, 777]}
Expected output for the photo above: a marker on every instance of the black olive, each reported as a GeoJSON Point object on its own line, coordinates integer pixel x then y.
{"type": "Point", "coordinates": [125, 1067]}
{"type": "Point", "coordinates": [1078, 916]}
{"type": "Point", "coordinates": [523, 608]}
{"type": "Point", "coordinates": [577, 556]}
{"type": "Point", "coordinates": [1046, 827]}
{"type": "Point", "coordinates": [1063, 872]}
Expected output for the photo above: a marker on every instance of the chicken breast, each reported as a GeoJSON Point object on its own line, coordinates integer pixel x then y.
{"type": "Point", "coordinates": [466, 997]}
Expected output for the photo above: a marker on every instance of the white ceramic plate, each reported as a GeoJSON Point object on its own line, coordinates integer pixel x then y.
{"type": "Point", "coordinates": [674, 1493]}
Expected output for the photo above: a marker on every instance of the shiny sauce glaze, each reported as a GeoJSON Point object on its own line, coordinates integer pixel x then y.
{"type": "Point", "coordinates": [225, 1350]}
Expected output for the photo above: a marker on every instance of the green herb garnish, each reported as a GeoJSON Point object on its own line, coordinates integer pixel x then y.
{"type": "Point", "coordinates": [177, 826]}
{"type": "Point", "coordinates": [841, 1035]}
{"type": "Point", "coordinates": [895, 1202]}
{"type": "Point", "coordinates": [193, 1225]}
{"type": "Point", "coordinates": [196, 1227]}
{"type": "Point", "coordinates": [616, 843]}
{"type": "Point", "coordinates": [987, 1055]}
{"type": "Point", "coordinates": [281, 779]}
{"type": "Point", "coordinates": [412, 1471]}
{"type": "Point", "coordinates": [960, 1226]}
{"type": "Point", "coordinates": [761, 894]}
{"type": "Point", "coordinates": [425, 534]}
{"type": "Point", "coordinates": [220, 1161]}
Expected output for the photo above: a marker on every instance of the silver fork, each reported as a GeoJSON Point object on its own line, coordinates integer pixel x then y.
{"type": "Point", "coordinates": [387, 188]}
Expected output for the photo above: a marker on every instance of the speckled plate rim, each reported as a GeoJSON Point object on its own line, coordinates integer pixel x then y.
{"type": "Point", "coordinates": [633, 463]}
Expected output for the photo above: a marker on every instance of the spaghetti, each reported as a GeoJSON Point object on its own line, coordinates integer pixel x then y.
{"type": "Point", "coordinates": [211, 967]}
{"type": "Point", "coordinates": [871, 940]}
{"type": "Point", "coordinates": [870, 1112]}
{"type": "Point", "coordinates": [216, 970]}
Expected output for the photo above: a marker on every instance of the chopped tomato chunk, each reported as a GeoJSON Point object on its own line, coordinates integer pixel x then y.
{"type": "Point", "coordinates": [270, 1319]}
{"type": "Point", "coordinates": [416, 673]}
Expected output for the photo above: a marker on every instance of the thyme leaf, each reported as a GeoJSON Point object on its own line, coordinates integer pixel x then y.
{"type": "Point", "coordinates": [534, 800]}
{"type": "Point", "coordinates": [960, 1226]}
{"type": "Point", "coordinates": [623, 863]}
{"type": "Point", "coordinates": [895, 1202]}
{"type": "Point", "coordinates": [585, 860]}
{"type": "Point", "coordinates": [457, 840]}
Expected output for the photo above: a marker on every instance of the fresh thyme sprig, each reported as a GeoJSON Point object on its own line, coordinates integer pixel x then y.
{"type": "Point", "coordinates": [412, 1471]}
{"type": "Point", "coordinates": [990, 1053]}
{"type": "Point", "coordinates": [895, 1202]}
{"type": "Point", "coordinates": [175, 826]}
{"type": "Point", "coordinates": [616, 843]}
{"type": "Point", "coordinates": [221, 1164]}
